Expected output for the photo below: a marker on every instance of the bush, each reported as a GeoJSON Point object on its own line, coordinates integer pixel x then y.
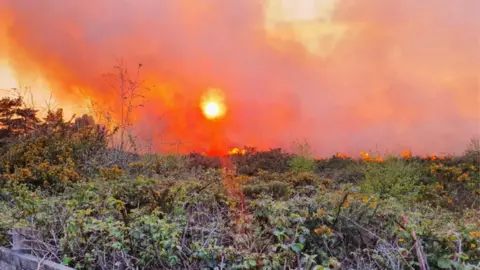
{"type": "Point", "coordinates": [49, 152]}
{"type": "Point", "coordinates": [303, 160]}
{"type": "Point", "coordinates": [292, 220]}
{"type": "Point", "coordinates": [181, 212]}
{"type": "Point", "coordinates": [301, 164]}
{"type": "Point", "coordinates": [198, 161]}
{"type": "Point", "coordinates": [454, 185]}
{"type": "Point", "coordinates": [250, 163]}
{"type": "Point", "coordinates": [473, 152]}
{"type": "Point", "coordinates": [275, 189]}
{"type": "Point", "coordinates": [393, 178]}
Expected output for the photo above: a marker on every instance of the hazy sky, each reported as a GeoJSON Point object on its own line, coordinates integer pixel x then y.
{"type": "Point", "coordinates": [346, 75]}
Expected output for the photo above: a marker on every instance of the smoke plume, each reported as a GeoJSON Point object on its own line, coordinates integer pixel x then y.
{"type": "Point", "coordinates": [346, 75]}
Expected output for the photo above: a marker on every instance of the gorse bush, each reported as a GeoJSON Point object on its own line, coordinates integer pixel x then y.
{"type": "Point", "coordinates": [303, 161]}
{"type": "Point", "coordinates": [253, 161]}
{"type": "Point", "coordinates": [301, 164]}
{"type": "Point", "coordinates": [393, 178]}
{"type": "Point", "coordinates": [284, 220]}
{"type": "Point", "coordinates": [48, 152]}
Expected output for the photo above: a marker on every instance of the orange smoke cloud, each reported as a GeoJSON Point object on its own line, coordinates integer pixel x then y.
{"type": "Point", "coordinates": [346, 75]}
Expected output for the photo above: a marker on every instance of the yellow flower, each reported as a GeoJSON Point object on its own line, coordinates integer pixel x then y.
{"type": "Point", "coordinates": [319, 229]}
{"type": "Point", "coordinates": [365, 200]}
{"type": "Point", "coordinates": [473, 245]}
{"type": "Point", "coordinates": [463, 177]}
{"type": "Point", "coordinates": [323, 230]}
{"type": "Point", "coordinates": [474, 234]}
{"type": "Point", "coordinates": [321, 212]}
{"type": "Point", "coordinates": [401, 240]}
{"type": "Point", "coordinates": [346, 204]}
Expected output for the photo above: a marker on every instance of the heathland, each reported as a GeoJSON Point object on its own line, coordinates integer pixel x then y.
{"type": "Point", "coordinates": [94, 205]}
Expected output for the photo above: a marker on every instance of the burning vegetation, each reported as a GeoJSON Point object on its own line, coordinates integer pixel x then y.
{"type": "Point", "coordinates": [244, 209]}
{"type": "Point", "coordinates": [144, 168]}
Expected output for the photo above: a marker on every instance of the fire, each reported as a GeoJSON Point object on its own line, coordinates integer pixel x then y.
{"type": "Point", "coordinates": [342, 156]}
{"type": "Point", "coordinates": [212, 104]}
{"type": "Point", "coordinates": [432, 157]}
{"type": "Point", "coordinates": [212, 109]}
{"type": "Point", "coordinates": [366, 157]}
{"type": "Point", "coordinates": [286, 68]}
{"type": "Point", "coordinates": [236, 151]}
{"type": "Point", "coordinates": [407, 154]}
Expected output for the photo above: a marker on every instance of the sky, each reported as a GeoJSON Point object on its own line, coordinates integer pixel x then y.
{"type": "Point", "coordinates": [344, 75]}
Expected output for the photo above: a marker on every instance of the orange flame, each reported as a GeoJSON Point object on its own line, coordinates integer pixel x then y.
{"type": "Point", "coordinates": [236, 151]}
{"type": "Point", "coordinates": [366, 157]}
{"type": "Point", "coordinates": [342, 156]}
{"type": "Point", "coordinates": [212, 104]}
{"type": "Point", "coordinates": [432, 157]}
{"type": "Point", "coordinates": [407, 154]}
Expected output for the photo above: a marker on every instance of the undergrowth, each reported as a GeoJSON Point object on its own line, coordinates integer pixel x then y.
{"type": "Point", "coordinates": [95, 208]}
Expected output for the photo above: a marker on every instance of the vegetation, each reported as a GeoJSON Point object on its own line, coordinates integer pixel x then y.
{"type": "Point", "coordinates": [268, 210]}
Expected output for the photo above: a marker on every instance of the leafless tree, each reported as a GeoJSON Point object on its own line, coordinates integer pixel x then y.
{"type": "Point", "coordinates": [131, 91]}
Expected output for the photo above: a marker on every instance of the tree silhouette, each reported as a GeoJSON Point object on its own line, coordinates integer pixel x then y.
{"type": "Point", "coordinates": [16, 120]}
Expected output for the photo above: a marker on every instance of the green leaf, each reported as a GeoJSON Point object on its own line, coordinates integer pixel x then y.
{"type": "Point", "coordinates": [66, 260]}
{"type": "Point", "coordinates": [444, 263]}
{"type": "Point", "coordinates": [463, 256]}
{"type": "Point", "coordinates": [297, 247]}
{"type": "Point", "coordinates": [117, 245]}
{"type": "Point", "coordinates": [252, 263]}
{"type": "Point", "coordinates": [172, 260]}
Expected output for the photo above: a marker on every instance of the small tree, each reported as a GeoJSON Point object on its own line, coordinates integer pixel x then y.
{"type": "Point", "coordinates": [131, 92]}
{"type": "Point", "coordinates": [16, 119]}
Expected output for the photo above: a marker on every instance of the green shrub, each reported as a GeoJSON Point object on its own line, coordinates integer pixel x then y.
{"type": "Point", "coordinates": [250, 163]}
{"type": "Point", "coordinates": [301, 164]}
{"type": "Point", "coordinates": [392, 178]}
{"type": "Point", "coordinates": [52, 152]}
{"type": "Point", "coordinates": [303, 160]}
{"type": "Point", "coordinates": [275, 189]}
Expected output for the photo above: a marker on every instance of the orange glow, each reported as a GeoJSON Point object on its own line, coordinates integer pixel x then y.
{"type": "Point", "coordinates": [212, 104]}
{"type": "Point", "coordinates": [345, 75]}
{"type": "Point", "coordinates": [342, 156]}
{"type": "Point", "coordinates": [407, 154]}
{"type": "Point", "coordinates": [7, 78]}
{"type": "Point", "coordinates": [211, 110]}
{"type": "Point", "coordinates": [432, 157]}
{"type": "Point", "coordinates": [367, 157]}
{"type": "Point", "coordinates": [236, 151]}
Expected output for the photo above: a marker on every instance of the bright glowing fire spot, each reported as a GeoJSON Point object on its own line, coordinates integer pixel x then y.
{"type": "Point", "coordinates": [212, 109]}
{"type": "Point", "coordinates": [236, 151]}
{"type": "Point", "coordinates": [212, 104]}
